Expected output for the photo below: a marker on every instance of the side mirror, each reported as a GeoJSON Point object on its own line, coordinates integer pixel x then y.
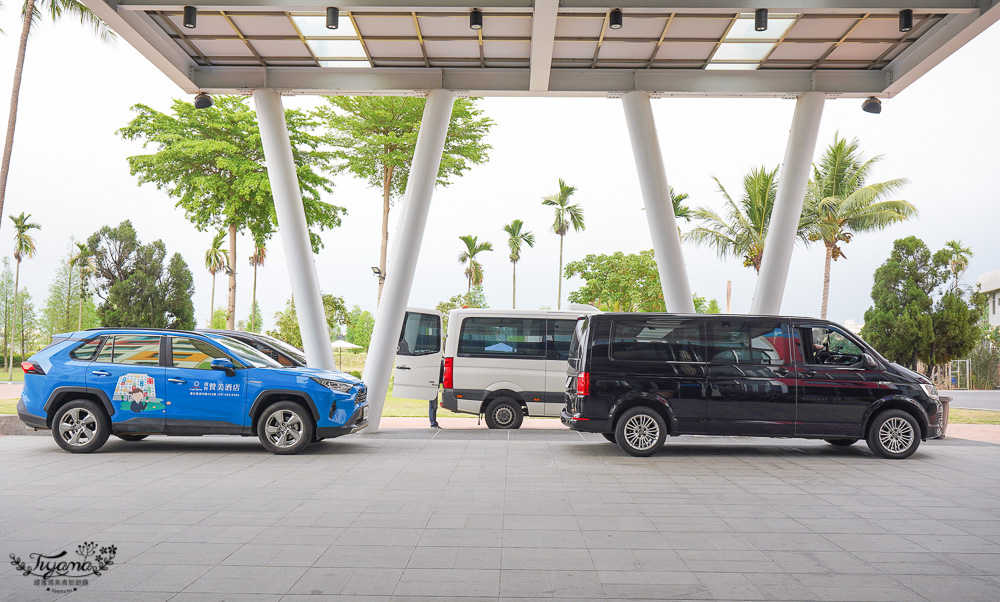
{"type": "Point", "coordinates": [869, 362]}
{"type": "Point", "coordinates": [225, 364]}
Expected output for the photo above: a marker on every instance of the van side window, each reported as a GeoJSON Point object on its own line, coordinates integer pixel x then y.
{"type": "Point", "coordinates": [755, 342]}
{"type": "Point", "coordinates": [657, 340]}
{"type": "Point", "coordinates": [421, 335]}
{"type": "Point", "coordinates": [559, 337]}
{"type": "Point", "coordinates": [828, 346]}
{"type": "Point", "coordinates": [502, 337]}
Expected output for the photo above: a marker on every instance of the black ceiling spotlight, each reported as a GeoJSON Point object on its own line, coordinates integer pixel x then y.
{"type": "Point", "coordinates": [332, 17]}
{"type": "Point", "coordinates": [760, 19]}
{"type": "Point", "coordinates": [203, 101]}
{"type": "Point", "coordinates": [615, 19]}
{"type": "Point", "coordinates": [190, 17]}
{"type": "Point", "coordinates": [872, 105]}
{"type": "Point", "coordinates": [476, 19]}
{"type": "Point", "coordinates": [905, 20]}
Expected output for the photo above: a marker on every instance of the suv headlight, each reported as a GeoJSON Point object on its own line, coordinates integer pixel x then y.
{"type": "Point", "coordinates": [333, 385]}
{"type": "Point", "coordinates": [931, 391]}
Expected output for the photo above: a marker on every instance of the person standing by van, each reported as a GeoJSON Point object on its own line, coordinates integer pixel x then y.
{"type": "Point", "coordinates": [432, 413]}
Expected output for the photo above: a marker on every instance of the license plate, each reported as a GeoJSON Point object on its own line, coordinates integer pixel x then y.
{"type": "Point", "coordinates": [364, 413]}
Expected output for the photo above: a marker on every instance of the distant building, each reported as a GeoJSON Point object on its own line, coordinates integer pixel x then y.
{"type": "Point", "coordinates": [989, 283]}
{"type": "Point", "coordinates": [853, 326]}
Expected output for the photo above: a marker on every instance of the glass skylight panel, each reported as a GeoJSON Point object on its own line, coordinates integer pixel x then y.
{"type": "Point", "coordinates": [732, 66]}
{"type": "Point", "coordinates": [337, 49]}
{"type": "Point", "coordinates": [742, 51]}
{"type": "Point", "coordinates": [344, 64]}
{"type": "Point", "coordinates": [743, 29]}
{"type": "Point", "coordinates": [314, 26]}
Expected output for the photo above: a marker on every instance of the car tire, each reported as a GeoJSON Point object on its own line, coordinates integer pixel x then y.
{"type": "Point", "coordinates": [504, 413]}
{"type": "Point", "coordinates": [841, 442]}
{"type": "Point", "coordinates": [81, 426]}
{"type": "Point", "coordinates": [285, 427]}
{"type": "Point", "coordinates": [640, 432]}
{"type": "Point", "coordinates": [609, 436]}
{"type": "Point", "coordinates": [125, 437]}
{"type": "Point", "coordinates": [894, 434]}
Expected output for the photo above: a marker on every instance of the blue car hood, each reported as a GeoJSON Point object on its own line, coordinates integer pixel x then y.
{"type": "Point", "coordinates": [329, 374]}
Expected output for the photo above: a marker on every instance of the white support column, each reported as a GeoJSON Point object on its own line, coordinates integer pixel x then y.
{"type": "Point", "coordinates": [405, 248]}
{"type": "Point", "coordinates": [788, 203]}
{"type": "Point", "coordinates": [293, 230]}
{"type": "Point", "coordinates": [656, 198]}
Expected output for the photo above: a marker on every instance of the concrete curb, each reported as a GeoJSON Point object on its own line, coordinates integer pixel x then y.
{"type": "Point", "coordinates": [10, 424]}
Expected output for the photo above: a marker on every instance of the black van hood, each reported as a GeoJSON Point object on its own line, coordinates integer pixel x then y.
{"type": "Point", "coordinates": [909, 374]}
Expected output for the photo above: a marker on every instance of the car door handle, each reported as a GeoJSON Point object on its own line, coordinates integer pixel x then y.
{"type": "Point", "coordinates": [179, 381]}
{"type": "Point", "coordinates": [781, 371]}
{"type": "Point", "coordinates": [402, 367]}
{"type": "Point", "coordinates": [101, 373]}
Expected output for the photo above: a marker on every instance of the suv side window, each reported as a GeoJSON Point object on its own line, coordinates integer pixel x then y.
{"type": "Point", "coordinates": [136, 350]}
{"type": "Point", "coordinates": [559, 337]}
{"type": "Point", "coordinates": [822, 345]}
{"type": "Point", "coordinates": [755, 342]}
{"type": "Point", "coordinates": [657, 340]}
{"type": "Point", "coordinates": [193, 353]}
{"type": "Point", "coordinates": [86, 351]}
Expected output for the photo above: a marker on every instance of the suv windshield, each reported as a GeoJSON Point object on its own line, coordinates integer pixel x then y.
{"type": "Point", "coordinates": [248, 354]}
{"type": "Point", "coordinates": [292, 352]}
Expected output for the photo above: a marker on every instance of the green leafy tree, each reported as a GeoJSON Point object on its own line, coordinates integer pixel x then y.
{"type": "Point", "coordinates": [83, 261]}
{"type": "Point", "coordinates": [215, 262]}
{"type": "Point", "coordinates": [958, 262]}
{"type": "Point", "coordinates": [516, 236]}
{"type": "Point", "coordinates": [374, 138]}
{"type": "Point", "coordinates": [360, 324]}
{"type": "Point", "coordinates": [839, 204]}
{"type": "Point", "coordinates": [566, 216]}
{"type": "Point", "coordinates": [256, 260]}
{"type": "Point", "coordinates": [218, 319]}
{"type": "Point", "coordinates": [473, 271]}
{"type": "Point", "coordinates": [7, 294]}
{"type": "Point", "coordinates": [26, 333]}
{"type": "Point", "coordinates": [212, 162]}
{"type": "Point", "coordinates": [705, 306]}
{"type": "Point", "coordinates": [681, 211]}
{"type": "Point", "coordinates": [286, 322]}
{"type": "Point", "coordinates": [742, 229]}
{"type": "Point", "coordinates": [24, 246]}
{"type": "Point", "coordinates": [32, 12]}
{"type": "Point", "coordinates": [136, 284]}
{"type": "Point", "coordinates": [473, 298]}
{"type": "Point", "coordinates": [254, 321]}
{"type": "Point", "coordinates": [65, 307]}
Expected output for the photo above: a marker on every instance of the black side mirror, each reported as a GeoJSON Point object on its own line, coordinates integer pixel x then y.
{"type": "Point", "coordinates": [867, 361]}
{"type": "Point", "coordinates": [225, 364]}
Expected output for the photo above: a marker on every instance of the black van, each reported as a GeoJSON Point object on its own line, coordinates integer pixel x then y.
{"type": "Point", "coordinates": [638, 377]}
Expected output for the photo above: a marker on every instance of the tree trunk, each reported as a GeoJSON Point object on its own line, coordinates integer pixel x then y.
{"type": "Point", "coordinates": [386, 190]}
{"type": "Point", "coordinates": [559, 300]}
{"type": "Point", "coordinates": [231, 308]}
{"type": "Point", "coordinates": [13, 322]}
{"type": "Point", "coordinates": [826, 279]}
{"type": "Point", "coordinates": [211, 309]}
{"type": "Point", "coordinates": [253, 303]}
{"type": "Point", "coordinates": [470, 276]}
{"type": "Point", "coordinates": [513, 287]}
{"type": "Point", "coordinates": [15, 91]}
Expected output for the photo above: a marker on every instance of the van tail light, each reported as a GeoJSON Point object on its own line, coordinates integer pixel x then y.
{"type": "Point", "coordinates": [32, 368]}
{"type": "Point", "coordinates": [448, 382]}
{"type": "Point", "coordinates": [583, 383]}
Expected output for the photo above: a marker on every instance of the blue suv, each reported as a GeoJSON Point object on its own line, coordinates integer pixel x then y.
{"type": "Point", "coordinates": [132, 383]}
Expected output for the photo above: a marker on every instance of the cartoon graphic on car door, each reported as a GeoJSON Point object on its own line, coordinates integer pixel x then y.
{"type": "Point", "coordinates": [127, 370]}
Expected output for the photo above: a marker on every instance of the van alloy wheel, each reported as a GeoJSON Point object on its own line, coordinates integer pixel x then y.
{"type": "Point", "coordinates": [896, 435]}
{"type": "Point", "coordinates": [641, 432]}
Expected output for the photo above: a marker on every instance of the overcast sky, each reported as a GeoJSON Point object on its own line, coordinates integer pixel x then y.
{"type": "Point", "coordinates": [69, 171]}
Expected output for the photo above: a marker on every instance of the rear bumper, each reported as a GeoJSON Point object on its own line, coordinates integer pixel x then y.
{"type": "Point", "coordinates": [357, 422]}
{"type": "Point", "coordinates": [30, 420]}
{"type": "Point", "coordinates": [587, 425]}
{"type": "Point", "coordinates": [470, 403]}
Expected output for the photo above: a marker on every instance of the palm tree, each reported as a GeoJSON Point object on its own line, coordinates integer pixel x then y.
{"type": "Point", "coordinates": [839, 204]}
{"type": "Point", "coordinates": [741, 232]}
{"type": "Point", "coordinates": [256, 260]}
{"type": "Point", "coordinates": [33, 11]}
{"type": "Point", "coordinates": [681, 211]}
{"type": "Point", "coordinates": [515, 238]}
{"type": "Point", "coordinates": [959, 261]}
{"type": "Point", "coordinates": [215, 262]}
{"type": "Point", "coordinates": [474, 272]}
{"type": "Point", "coordinates": [566, 215]}
{"type": "Point", "coordinates": [83, 259]}
{"type": "Point", "coordinates": [24, 246]}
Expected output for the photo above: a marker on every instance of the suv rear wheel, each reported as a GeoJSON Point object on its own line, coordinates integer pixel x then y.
{"type": "Point", "coordinates": [640, 432]}
{"type": "Point", "coordinates": [285, 428]}
{"type": "Point", "coordinates": [894, 434]}
{"type": "Point", "coordinates": [81, 426]}
{"type": "Point", "coordinates": [504, 413]}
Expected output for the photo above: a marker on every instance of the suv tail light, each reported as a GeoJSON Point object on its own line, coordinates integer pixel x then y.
{"type": "Point", "coordinates": [32, 368]}
{"type": "Point", "coordinates": [448, 382]}
{"type": "Point", "coordinates": [583, 383]}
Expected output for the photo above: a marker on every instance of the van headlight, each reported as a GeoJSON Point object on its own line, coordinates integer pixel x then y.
{"type": "Point", "coordinates": [333, 385]}
{"type": "Point", "coordinates": [930, 390]}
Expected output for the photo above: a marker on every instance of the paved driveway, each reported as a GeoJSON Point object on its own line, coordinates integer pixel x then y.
{"type": "Point", "coordinates": [533, 515]}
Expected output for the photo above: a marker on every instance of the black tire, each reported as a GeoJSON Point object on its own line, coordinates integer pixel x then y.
{"type": "Point", "coordinates": [81, 426]}
{"type": "Point", "coordinates": [841, 442]}
{"type": "Point", "coordinates": [285, 427]}
{"type": "Point", "coordinates": [640, 432]}
{"type": "Point", "coordinates": [609, 436]}
{"type": "Point", "coordinates": [504, 413]}
{"type": "Point", "coordinates": [894, 434]}
{"type": "Point", "coordinates": [125, 437]}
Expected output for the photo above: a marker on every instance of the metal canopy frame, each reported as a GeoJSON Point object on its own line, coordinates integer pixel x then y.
{"type": "Point", "coordinates": [546, 47]}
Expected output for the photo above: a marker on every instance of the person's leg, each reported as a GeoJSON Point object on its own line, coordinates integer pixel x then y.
{"type": "Point", "coordinates": [432, 412]}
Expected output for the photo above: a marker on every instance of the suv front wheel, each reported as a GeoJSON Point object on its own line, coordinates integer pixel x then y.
{"type": "Point", "coordinates": [81, 426]}
{"type": "Point", "coordinates": [640, 432]}
{"type": "Point", "coordinates": [894, 434]}
{"type": "Point", "coordinates": [285, 428]}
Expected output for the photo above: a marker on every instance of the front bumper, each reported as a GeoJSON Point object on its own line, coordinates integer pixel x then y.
{"type": "Point", "coordinates": [357, 421]}
{"type": "Point", "coordinates": [587, 425]}
{"type": "Point", "coordinates": [30, 420]}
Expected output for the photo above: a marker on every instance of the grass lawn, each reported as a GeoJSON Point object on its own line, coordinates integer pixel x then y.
{"type": "Point", "coordinates": [8, 406]}
{"type": "Point", "coordinates": [18, 374]}
{"type": "Point", "coordinates": [959, 416]}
